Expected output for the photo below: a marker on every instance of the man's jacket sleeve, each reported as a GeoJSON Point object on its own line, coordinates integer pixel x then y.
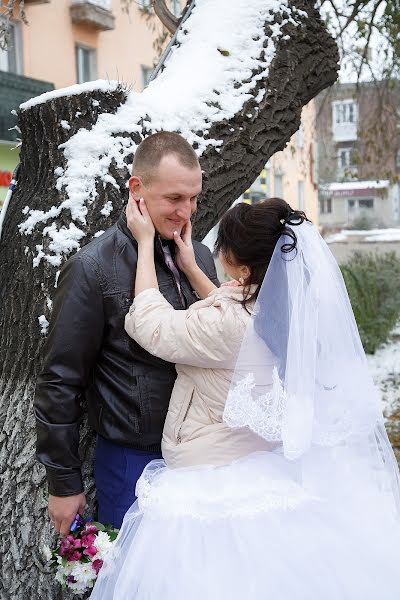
{"type": "Point", "coordinates": [205, 260]}
{"type": "Point", "coordinates": [70, 353]}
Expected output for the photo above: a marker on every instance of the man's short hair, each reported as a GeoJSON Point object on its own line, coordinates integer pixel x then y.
{"type": "Point", "coordinates": [152, 149]}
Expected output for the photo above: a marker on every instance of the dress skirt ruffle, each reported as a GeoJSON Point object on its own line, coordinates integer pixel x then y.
{"type": "Point", "coordinates": [247, 531]}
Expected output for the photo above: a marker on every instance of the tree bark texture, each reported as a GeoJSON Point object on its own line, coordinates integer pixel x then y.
{"type": "Point", "coordinates": [303, 66]}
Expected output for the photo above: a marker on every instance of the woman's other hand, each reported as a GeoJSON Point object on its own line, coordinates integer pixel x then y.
{"type": "Point", "coordinates": [185, 258]}
{"type": "Point", "coordinates": [139, 221]}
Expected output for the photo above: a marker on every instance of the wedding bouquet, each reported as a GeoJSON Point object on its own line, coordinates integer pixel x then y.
{"type": "Point", "coordinates": [78, 558]}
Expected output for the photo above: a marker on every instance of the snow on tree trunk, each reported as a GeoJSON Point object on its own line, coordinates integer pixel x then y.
{"type": "Point", "coordinates": [234, 86]}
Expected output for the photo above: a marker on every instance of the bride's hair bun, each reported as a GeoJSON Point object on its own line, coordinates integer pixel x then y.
{"type": "Point", "coordinates": [248, 235]}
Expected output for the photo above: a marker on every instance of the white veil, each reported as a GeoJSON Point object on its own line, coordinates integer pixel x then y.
{"type": "Point", "coordinates": [302, 380]}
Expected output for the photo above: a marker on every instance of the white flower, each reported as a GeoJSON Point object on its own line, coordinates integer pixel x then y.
{"type": "Point", "coordinates": [83, 572]}
{"type": "Point", "coordinates": [63, 572]}
{"type": "Point", "coordinates": [103, 544]}
{"type": "Point", "coordinates": [84, 576]}
{"type": "Point", "coordinates": [47, 552]}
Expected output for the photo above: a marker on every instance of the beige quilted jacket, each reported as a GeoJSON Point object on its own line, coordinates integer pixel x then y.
{"type": "Point", "coordinates": [204, 342]}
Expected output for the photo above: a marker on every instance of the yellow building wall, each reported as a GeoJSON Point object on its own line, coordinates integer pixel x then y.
{"type": "Point", "coordinates": [296, 163]}
{"type": "Point", "coordinates": [49, 44]}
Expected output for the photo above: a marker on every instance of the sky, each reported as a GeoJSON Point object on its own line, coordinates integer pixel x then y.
{"type": "Point", "coordinates": [350, 57]}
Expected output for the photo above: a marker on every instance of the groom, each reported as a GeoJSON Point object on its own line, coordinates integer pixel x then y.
{"type": "Point", "coordinates": [89, 358]}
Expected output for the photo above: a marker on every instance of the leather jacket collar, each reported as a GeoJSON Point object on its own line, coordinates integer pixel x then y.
{"type": "Point", "coordinates": [123, 226]}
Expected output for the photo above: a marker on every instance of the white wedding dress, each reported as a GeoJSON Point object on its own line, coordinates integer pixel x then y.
{"type": "Point", "coordinates": [247, 531]}
{"type": "Point", "coordinates": [315, 519]}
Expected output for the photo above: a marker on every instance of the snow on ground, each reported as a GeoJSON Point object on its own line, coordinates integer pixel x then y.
{"type": "Point", "coordinates": [223, 51]}
{"type": "Point", "coordinates": [365, 235]}
{"type": "Point", "coordinates": [385, 369]}
{"type": "Point", "coordinates": [392, 235]}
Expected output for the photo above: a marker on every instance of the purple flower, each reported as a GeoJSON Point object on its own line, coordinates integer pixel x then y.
{"type": "Point", "coordinates": [88, 540]}
{"type": "Point", "coordinates": [71, 579]}
{"type": "Point", "coordinates": [91, 551]}
{"type": "Point", "coordinates": [97, 564]}
{"type": "Point", "coordinates": [68, 544]}
{"type": "Point", "coordinates": [74, 556]}
{"type": "Point", "coordinates": [89, 529]}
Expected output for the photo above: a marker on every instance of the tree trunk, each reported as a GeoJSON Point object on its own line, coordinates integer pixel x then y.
{"type": "Point", "coordinates": [303, 65]}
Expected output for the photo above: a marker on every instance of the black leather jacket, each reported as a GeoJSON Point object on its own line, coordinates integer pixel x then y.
{"type": "Point", "coordinates": [88, 356]}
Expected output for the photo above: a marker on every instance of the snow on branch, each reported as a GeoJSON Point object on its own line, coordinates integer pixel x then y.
{"type": "Point", "coordinates": [221, 55]}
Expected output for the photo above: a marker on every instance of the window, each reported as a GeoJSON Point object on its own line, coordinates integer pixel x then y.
{"type": "Point", "coordinates": [351, 204]}
{"type": "Point", "coordinates": [325, 205]}
{"type": "Point", "coordinates": [11, 59]}
{"type": "Point", "coordinates": [256, 197]}
{"type": "Point", "coordinates": [346, 157]}
{"type": "Point", "coordinates": [367, 203]}
{"type": "Point", "coordinates": [300, 194]}
{"type": "Point", "coordinates": [144, 4]}
{"type": "Point", "coordinates": [175, 7]}
{"type": "Point", "coordinates": [345, 111]}
{"type": "Point", "coordinates": [278, 186]}
{"type": "Point", "coordinates": [86, 64]}
{"type": "Point", "coordinates": [146, 74]}
{"type": "Point", "coordinates": [106, 4]}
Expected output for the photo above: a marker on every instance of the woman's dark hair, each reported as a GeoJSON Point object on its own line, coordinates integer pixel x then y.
{"type": "Point", "coordinates": [248, 235]}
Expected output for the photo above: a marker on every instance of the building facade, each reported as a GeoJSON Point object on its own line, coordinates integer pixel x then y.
{"type": "Point", "coordinates": [73, 41]}
{"type": "Point", "coordinates": [291, 174]}
{"type": "Point", "coordinates": [358, 134]}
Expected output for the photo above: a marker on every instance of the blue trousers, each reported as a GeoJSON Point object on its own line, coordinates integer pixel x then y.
{"type": "Point", "coordinates": [116, 471]}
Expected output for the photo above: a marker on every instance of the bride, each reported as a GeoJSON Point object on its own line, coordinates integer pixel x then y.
{"type": "Point", "coordinates": [278, 479]}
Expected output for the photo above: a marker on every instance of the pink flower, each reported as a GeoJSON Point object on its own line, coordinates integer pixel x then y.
{"type": "Point", "coordinates": [88, 540]}
{"type": "Point", "coordinates": [68, 544]}
{"type": "Point", "coordinates": [91, 551]}
{"type": "Point", "coordinates": [97, 564]}
{"type": "Point", "coordinates": [89, 529]}
{"type": "Point", "coordinates": [74, 556]}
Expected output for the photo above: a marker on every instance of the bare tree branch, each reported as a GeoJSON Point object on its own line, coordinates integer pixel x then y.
{"type": "Point", "coordinates": [357, 6]}
{"type": "Point", "coordinates": [6, 13]}
{"type": "Point", "coordinates": [166, 17]}
{"type": "Point", "coordinates": [364, 57]}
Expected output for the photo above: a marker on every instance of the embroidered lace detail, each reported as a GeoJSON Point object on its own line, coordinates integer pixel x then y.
{"type": "Point", "coordinates": [263, 414]}
{"type": "Point", "coordinates": [243, 489]}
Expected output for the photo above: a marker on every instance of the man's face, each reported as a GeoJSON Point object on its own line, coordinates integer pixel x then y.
{"type": "Point", "coordinates": [170, 196]}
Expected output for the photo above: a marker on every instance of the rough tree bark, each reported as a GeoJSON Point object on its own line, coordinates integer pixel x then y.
{"type": "Point", "coordinates": [303, 66]}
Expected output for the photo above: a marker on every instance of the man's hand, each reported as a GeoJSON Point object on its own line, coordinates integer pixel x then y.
{"type": "Point", "coordinates": [62, 511]}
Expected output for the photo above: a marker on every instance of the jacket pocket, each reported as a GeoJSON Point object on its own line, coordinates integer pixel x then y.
{"type": "Point", "coordinates": [183, 414]}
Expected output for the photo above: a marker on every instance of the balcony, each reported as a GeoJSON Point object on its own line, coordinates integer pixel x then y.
{"type": "Point", "coordinates": [344, 120]}
{"type": "Point", "coordinates": [344, 132]}
{"type": "Point", "coordinates": [95, 13]}
{"type": "Point", "coordinates": [15, 89]}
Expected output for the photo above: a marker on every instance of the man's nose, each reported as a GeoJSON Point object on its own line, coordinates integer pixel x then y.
{"type": "Point", "coordinates": [184, 210]}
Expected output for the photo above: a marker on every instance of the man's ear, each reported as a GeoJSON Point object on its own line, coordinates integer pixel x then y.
{"type": "Point", "coordinates": [135, 187]}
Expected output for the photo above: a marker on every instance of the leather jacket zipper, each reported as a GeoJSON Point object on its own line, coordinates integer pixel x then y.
{"type": "Point", "coordinates": [178, 437]}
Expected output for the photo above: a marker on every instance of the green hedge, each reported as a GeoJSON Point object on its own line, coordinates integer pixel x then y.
{"type": "Point", "coordinates": [373, 284]}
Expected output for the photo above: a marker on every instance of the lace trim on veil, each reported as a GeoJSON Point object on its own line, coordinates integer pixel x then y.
{"type": "Point", "coordinates": [263, 414]}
